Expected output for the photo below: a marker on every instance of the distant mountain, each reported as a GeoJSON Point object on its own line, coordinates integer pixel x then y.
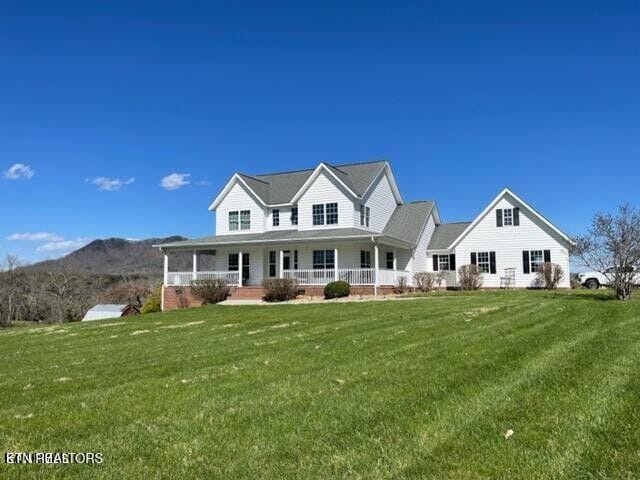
{"type": "Point", "coordinates": [116, 256]}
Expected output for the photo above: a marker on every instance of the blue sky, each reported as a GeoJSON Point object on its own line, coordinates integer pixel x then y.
{"type": "Point", "coordinates": [101, 101]}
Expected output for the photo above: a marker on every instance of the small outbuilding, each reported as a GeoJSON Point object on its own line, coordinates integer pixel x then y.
{"type": "Point", "coordinates": [103, 311]}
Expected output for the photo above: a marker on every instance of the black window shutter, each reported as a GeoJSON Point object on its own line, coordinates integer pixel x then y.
{"type": "Point", "coordinates": [516, 216]}
{"type": "Point", "coordinates": [492, 262]}
{"type": "Point", "coordinates": [435, 263]}
{"type": "Point", "coordinates": [499, 217]}
{"type": "Point", "coordinates": [547, 256]}
{"type": "Point", "coordinates": [525, 261]}
{"type": "Point", "coordinates": [473, 258]}
{"type": "Point", "coordinates": [452, 262]}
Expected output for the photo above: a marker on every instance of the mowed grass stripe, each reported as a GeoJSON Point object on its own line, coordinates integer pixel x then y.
{"type": "Point", "coordinates": [409, 389]}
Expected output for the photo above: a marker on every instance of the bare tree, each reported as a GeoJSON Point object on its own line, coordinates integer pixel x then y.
{"type": "Point", "coordinates": [612, 247]}
{"type": "Point", "coordinates": [65, 290]}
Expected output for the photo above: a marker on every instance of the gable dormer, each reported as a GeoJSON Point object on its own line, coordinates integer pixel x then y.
{"type": "Point", "coordinates": [238, 209]}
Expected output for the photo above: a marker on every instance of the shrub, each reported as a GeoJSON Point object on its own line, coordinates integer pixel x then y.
{"type": "Point", "coordinates": [424, 281]}
{"type": "Point", "coordinates": [549, 275]}
{"type": "Point", "coordinates": [279, 289]}
{"type": "Point", "coordinates": [153, 303]}
{"type": "Point", "coordinates": [210, 291]}
{"type": "Point", "coordinates": [337, 289]}
{"type": "Point", "coordinates": [470, 277]}
{"type": "Point", "coordinates": [401, 285]}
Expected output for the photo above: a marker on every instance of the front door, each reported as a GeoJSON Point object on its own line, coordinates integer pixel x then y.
{"type": "Point", "coordinates": [286, 260]}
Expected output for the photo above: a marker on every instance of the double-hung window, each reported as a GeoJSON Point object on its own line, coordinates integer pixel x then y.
{"type": "Point", "coordinates": [294, 215]}
{"type": "Point", "coordinates": [507, 216]}
{"type": "Point", "coordinates": [365, 216]}
{"type": "Point", "coordinates": [443, 263]}
{"type": "Point", "coordinates": [332, 213]}
{"type": "Point", "coordinates": [536, 259]}
{"type": "Point", "coordinates": [483, 262]}
{"type": "Point", "coordinates": [233, 262]}
{"type": "Point", "coordinates": [245, 219]}
{"type": "Point", "coordinates": [323, 259]}
{"type": "Point", "coordinates": [365, 259]}
{"type": "Point", "coordinates": [233, 221]}
{"type": "Point", "coordinates": [317, 212]}
{"type": "Point", "coordinates": [389, 261]}
{"type": "Point", "coordinates": [275, 216]}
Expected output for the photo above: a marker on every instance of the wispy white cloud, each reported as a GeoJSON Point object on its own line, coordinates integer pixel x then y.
{"type": "Point", "coordinates": [19, 171]}
{"type": "Point", "coordinates": [63, 245]}
{"type": "Point", "coordinates": [107, 184]}
{"type": "Point", "coordinates": [175, 181]}
{"type": "Point", "coordinates": [35, 237]}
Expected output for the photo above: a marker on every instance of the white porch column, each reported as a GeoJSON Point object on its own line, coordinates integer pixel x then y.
{"type": "Point", "coordinates": [239, 269]}
{"type": "Point", "coordinates": [395, 260]}
{"type": "Point", "coordinates": [166, 269]}
{"type": "Point", "coordinates": [376, 257]}
{"type": "Point", "coordinates": [335, 264]}
{"type": "Point", "coordinates": [281, 264]}
{"type": "Point", "coordinates": [195, 265]}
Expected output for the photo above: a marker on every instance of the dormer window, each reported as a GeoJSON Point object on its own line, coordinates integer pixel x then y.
{"type": "Point", "coordinates": [245, 219]}
{"type": "Point", "coordinates": [275, 215]}
{"type": "Point", "coordinates": [332, 213]}
{"type": "Point", "coordinates": [318, 214]}
{"type": "Point", "coordinates": [233, 221]}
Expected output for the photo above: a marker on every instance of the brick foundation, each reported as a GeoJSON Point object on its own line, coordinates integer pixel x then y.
{"type": "Point", "coordinates": [181, 297]}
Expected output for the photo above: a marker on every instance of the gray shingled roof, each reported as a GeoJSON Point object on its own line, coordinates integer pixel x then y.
{"type": "Point", "coordinates": [445, 234]}
{"type": "Point", "coordinates": [278, 188]}
{"type": "Point", "coordinates": [407, 221]}
{"type": "Point", "coordinates": [271, 236]}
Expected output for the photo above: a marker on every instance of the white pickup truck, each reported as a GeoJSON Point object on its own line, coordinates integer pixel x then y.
{"type": "Point", "coordinates": [597, 279]}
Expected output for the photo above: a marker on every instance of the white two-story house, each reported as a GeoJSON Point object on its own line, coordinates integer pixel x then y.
{"type": "Point", "coordinates": [349, 222]}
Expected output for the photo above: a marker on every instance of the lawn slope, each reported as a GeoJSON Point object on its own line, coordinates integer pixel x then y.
{"type": "Point", "coordinates": [423, 388]}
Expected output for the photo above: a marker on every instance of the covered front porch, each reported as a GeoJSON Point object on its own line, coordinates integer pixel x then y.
{"type": "Point", "coordinates": [360, 263]}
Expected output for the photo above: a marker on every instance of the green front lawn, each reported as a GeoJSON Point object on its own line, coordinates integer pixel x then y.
{"type": "Point", "coordinates": [421, 388]}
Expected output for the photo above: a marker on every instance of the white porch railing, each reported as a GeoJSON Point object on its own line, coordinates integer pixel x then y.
{"type": "Point", "coordinates": [392, 277]}
{"type": "Point", "coordinates": [354, 276]}
{"type": "Point", "coordinates": [310, 276]}
{"type": "Point", "coordinates": [184, 279]}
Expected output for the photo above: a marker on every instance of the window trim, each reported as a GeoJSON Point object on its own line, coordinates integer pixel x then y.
{"type": "Point", "coordinates": [442, 263]}
{"type": "Point", "coordinates": [273, 264]}
{"type": "Point", "coordinates": [324, 265]}
{"type": "Point", "coordinates": [365, 215]}
{"type": "Point", "coordinates": [365, 259]}
{"type": "Point", "coordinates": [317, 214]}
{"type": "Point", "coordinates": [488, 262]}
{"type": "Point", "coordinates": [294, 215]}
{"type": "Point", "coordinates": [389, 256]}
{"type": "Point", "coordinates": [531, 262]}
{"type": "Point", "coordinates": [236, 222]}
{"type": "Point", "coordinates": [330, 216]}
{"type": "Point", "coordinates": [245, 223]}
{"type": "Point", "coordinates": [510, 218]}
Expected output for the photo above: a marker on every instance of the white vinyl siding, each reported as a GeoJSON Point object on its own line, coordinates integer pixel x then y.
{"type": "Point", "coordinates": [420, 263]}
{"type": "Point", "coordinates": [284, 219]}
{"type": "Point", "coordinates": [509, 243]}
{"type": "Point", "coordinates": [324, 190]}
{"type": "Point", "coordinates": [381, 203]}
{"type": "Point", "coordinates": [237, 200]}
